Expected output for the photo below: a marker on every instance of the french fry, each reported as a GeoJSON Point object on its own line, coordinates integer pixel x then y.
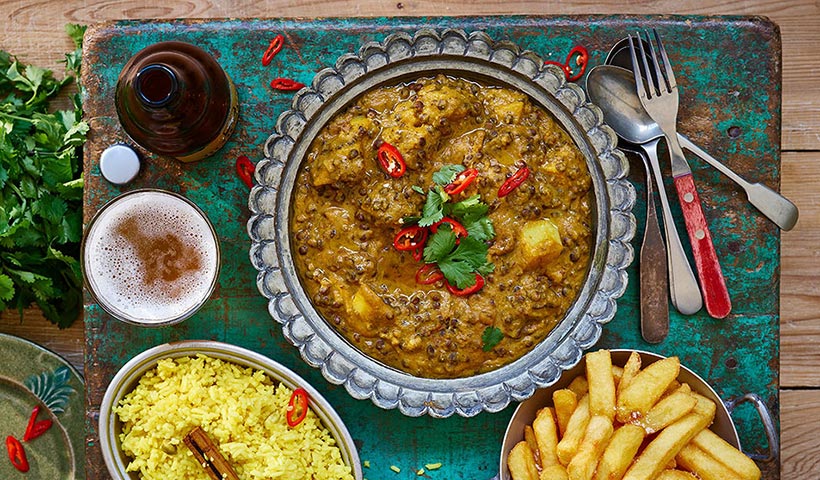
{"type": "Point", "coordinates": [620, 452]}
{"type": "Point", "coordinates": [601, 384]}
{"type": "Point", "coordinates": [565, 402]}
{"type": "Point", "coordinates": [529, 437]}
{"type": "Point", "coordinates": [576, 427]}
{"type": "Point", "coordinates": [597, 435]}
{"type": "Point", "coordinates": [617, 373]}
{"type": "Point", "coordinates": [663, 448]}
{"type": "Point", "coordinates": [546, 437]}
{"type": "Point", "coordinates": [555, 472]}
{"type": "Point", "coordinates": [705, 466]}
{"type": "Point", "coordinates": [667, 410]}
{"type": "Point", "coordinates": [521, 463]}
{"type": "Point", "coordinates": [704, 407]}
{"type": "Point", "coordinates": [646, 388]}
{"type": "Point", "coordinates": [710, 442]}
{"type": "Point", "coordinates": [674, 387]}
{"type": "Point", "coordinates": [579, 385]}
{"type": "Point", "coordinates": [676, 475]}
{"type": "Point", "coordinates": [631, 369]}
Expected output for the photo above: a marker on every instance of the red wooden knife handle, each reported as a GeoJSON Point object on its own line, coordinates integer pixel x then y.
{"type": "Point", "coordinates": [712, 284]}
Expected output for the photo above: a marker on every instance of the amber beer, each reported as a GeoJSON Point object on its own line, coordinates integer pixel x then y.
{"type": "Point", "coordinates": [150, 257]}
{"type": "Point", "coordinates": [175, 100]}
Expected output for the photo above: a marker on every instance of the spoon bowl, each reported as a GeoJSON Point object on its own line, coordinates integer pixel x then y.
{"type": "Point", "coordinates": [623, 111]}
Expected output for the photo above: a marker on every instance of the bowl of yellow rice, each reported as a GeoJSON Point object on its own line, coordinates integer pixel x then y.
{"type": "Point", "coordinates": [239, 398]}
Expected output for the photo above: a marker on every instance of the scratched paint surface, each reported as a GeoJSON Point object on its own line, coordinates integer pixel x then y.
{"type": "Point", "coordinates": [737, 355]}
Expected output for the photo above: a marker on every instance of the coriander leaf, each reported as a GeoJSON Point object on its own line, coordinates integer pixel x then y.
{"type": "Point", "coordinates": [6, 288]}
{"type": "Point", "coordinates": [460, 266]}
{"type": "Point", "coordinates": [458, 273]}
{"type": "Point", "coordinates": [439, 245]}
{"type": "Point", "coordinates": [417, 189]}
{"type": "Point", "coordinates": [52, 209]}
{"type": "Point", "coordinates": [433, 208]}
{"type": "Point", "coordinates": [481, 229]}
{"type": "Point", "coordinates": [469, 208]}
{"type": "Point", "coordinates": [491, 337]}
{"type": "Point", "coordinates": [35, 76]}
{"type": "Point", "coordinates": [472, 251]}
{"type": "Point", "coordinates": [76, 33]}
{"type": "Point", "coordinates": [447, 174]}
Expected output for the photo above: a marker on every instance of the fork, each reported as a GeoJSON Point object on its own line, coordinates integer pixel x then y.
{"type": "Point", "coordinates": [660, 100]}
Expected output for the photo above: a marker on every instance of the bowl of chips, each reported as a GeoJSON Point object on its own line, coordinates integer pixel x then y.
{"type": "Point", "coordinates": [633, 415]}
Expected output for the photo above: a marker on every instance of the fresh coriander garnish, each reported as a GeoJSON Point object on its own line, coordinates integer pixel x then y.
{"type": "Point", "coordinates": [491, 337]}
{"type": "Point", "coordinates": [417, 189]}
{"type": "Point", "coordinates": [459, 257]}
{"type": "Point", "coordinates": [41, 189]}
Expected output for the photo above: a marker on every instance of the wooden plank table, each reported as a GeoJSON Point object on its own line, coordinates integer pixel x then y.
{"type": "Point", "coordinates": [35, 33]}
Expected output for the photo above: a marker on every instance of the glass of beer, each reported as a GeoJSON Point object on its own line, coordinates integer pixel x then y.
{"type": "Point", "coordinates": [150, 257]}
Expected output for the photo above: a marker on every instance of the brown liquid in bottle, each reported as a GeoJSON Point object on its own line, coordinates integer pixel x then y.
{"type": "Point", "coordinates": [175, 100]}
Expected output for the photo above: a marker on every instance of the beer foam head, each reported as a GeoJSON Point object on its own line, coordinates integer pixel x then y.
{"type": "Point", "coordinates": [151, 257]}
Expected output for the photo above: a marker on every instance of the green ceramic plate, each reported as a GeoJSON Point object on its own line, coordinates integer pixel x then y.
{"type": "Point", "coordinates": [31, 375]}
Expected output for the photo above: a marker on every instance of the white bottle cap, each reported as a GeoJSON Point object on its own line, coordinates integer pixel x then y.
{"type": "Point", "coordinates": [119, 164]}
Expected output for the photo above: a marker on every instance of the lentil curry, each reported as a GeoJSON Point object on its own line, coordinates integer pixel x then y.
{"type": "Point", "coordinates": [352, 198]}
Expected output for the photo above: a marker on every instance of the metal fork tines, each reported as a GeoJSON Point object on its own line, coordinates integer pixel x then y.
{"type": "Point", "coordinates": [658, 92]}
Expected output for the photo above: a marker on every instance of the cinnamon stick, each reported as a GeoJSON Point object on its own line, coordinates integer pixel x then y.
{"type": "Point", "coordinates": [208, 455]}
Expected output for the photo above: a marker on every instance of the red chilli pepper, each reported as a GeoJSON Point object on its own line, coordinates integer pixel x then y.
{"type": "Point", "coordinates": [461, 182]}
{"type": "Point", "coordinates": [35, 428]}
{"type": "Point", "coordinates": [410, 238]}
{"type": "Point", "coordinates": [581, 58]}
{"type": "Point", "coordinates": [17, 454]}
{"type": "Point", "coordinates": [31, 420]}
{"type": "Point", "coordinates": [390, 160]}
{"type": "Point", "coordinates": [429, 273]}
{"type": "Point", "coordinates": [245, 169]}
{"type": "Point", "coordinates": [275, 47]}
{"type": "Point", "coordinates": [514, 181]}
{"type": "Point", "coordinates": [478, 285]}
{"type": "Point", "coordinates": [418, 254]}
{"type": "Point", "coordinates": [286, 85]}
{"type": "Point", "coordinates": [297, 407]}
{"type": "Point", "coordinates": [457, 227]}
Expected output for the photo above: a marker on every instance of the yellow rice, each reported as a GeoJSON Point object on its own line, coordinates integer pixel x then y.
{"type": "Point", "coordinates": [240, 408]}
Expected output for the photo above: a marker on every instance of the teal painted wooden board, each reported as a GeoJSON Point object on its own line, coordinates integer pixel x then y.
{"type": "Point", "coordinates": [728, 69]}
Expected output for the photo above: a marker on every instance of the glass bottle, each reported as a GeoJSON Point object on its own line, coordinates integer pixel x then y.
{"type": "Point", "coordinates": [175, 100]}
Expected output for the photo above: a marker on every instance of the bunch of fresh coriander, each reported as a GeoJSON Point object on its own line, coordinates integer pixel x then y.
{"type": "Point", "coordinates": [41, 188]}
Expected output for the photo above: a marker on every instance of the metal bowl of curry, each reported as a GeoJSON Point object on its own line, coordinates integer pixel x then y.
{"type": "Point", "coordinates": [441, 223]}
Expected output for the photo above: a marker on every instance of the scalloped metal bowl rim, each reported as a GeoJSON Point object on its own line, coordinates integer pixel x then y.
{"type": "Point", "coordinates": [559, 339]}
{"type": "Point", "coordinates": [524, 413]}
{"type": "Point", "coordinates": [129, 375]}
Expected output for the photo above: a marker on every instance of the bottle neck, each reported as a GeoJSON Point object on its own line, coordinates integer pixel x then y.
{"type": "Point", "coordinates": [156, 85]}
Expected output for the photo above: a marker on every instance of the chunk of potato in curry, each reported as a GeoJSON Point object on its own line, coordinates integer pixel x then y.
{"type": "Point", "coordinates": [346, 212]}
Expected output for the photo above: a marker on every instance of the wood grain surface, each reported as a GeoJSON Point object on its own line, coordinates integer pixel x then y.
{"type": "Point", "coordinates": [33, 30]}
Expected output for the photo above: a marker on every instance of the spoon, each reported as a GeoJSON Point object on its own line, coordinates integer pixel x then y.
{"type": "Point", "coordinates": [607, 89]}
{"type": "Point", "coordinates": [774, 206]}
{"type": "Point", "coordinates": [654, 274]}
